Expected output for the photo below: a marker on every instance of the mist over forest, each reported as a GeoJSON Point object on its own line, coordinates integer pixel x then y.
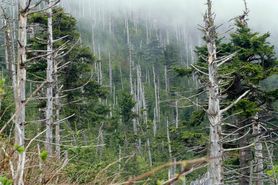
{"type": "Point", "coordinates": [184, 13]}
{"type": "Point", "coordinates": [147, 92]}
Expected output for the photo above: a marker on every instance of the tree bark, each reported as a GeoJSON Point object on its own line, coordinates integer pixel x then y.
{"type": "Point", "coordinates": [155, 120]}
{"type": "Point", "coordinates": [213, 112]}
{"type": "Point", "coordinates": [21, 96]}
{"type": "Point", "coordinates": [10, 53]}
{"type": "Point", "coordinates": [110, 74]}
{"type": "Point", "coordinates": [57, 113]}
{"type": "Point", "coordinates": [258, 161]}
{"type": "Point", "coordinates": [49, 74]}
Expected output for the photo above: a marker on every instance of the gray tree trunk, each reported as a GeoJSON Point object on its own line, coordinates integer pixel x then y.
{"type": "Point", "coordinates": [21, 96]}
{"type": "Point", "coordinates": [258, 157]}
{"type": "Point", "coordinates": [10, 53]}
{"type": "Point", "coordinates": [213, 112]}
{"type": "Point", "coordinates": [57, 112]}
{"type": "Point", "coordinates": [110, 74]}
{"type": "Point", "coordinates": [49, 78]}
{"type": "Point", "coordinates": [156, 112]}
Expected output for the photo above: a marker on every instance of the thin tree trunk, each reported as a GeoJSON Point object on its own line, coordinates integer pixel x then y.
{"type": "Point", "coordinates": [166, 79]}
{"type": "Point", "coordinates": [156, 104]}
{"type": "Point", "coordinates": [149, 152]}
{"type": "Point", "coordinates": [169, 148]}
{"type": "Point", "coordinates": [10, 53]}
{"type": "Point", "coordinates": [259, 166]}
{"type": "Point", "coordinates": [244, 157]}
{"type": "Point", "coordinates": [213, 112]}
{"type": "Point", "coordinates": [21, 96]}
{"type": "Point", "coordinates": [57, 113]}
{"type": "Point", "coordinates": [110, 74]}
{"type": "Point", "coordinates": [49, 74]}
{"type": "Point", "coordinates": [177, 114]}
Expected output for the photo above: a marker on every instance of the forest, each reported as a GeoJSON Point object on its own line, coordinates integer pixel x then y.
{"type": "Point", "coordinates": [105, 92]}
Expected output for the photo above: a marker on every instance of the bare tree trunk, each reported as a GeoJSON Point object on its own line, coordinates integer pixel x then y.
{"type": "Point", "coordinates": [169, 140]}
{"type": "Point", "coordinates": [156, 103]}
{"type": "Point", "coordinates": [57, 113]}
{"type": "Point", "coordinates": [244, 157]}
{"type": "Point", "coordinates": [7, 44]}
{"type": "Point", "coordinates": [154, 123]}
{"type": "Point", "coordinates": [49, 74]}
{"type": "Point", "coordinates": [166, 79]}
{"type": "Point", "coordinates": [169, 148]}
{"type": "Point", "coordinates": [100, 73]}
{"type": "Point", "coordinates": [149, 152]}
{"type": "Point", "coordinates": [176, 114]}
{"type": "Point", "coordinates": [259, 166]}
{"type": "Point", "coordinates": [21, 96]}
{"type": "Point", "coordinates": [10, 52]}
{"type": "Point", "coordinates": [121, 76]}
{"type": "Point", "coordinates": [110, 74]}
{"type": "Point", "coordinates": [132, 89]}
{"type": "Point", "coordinates": [213, 112]}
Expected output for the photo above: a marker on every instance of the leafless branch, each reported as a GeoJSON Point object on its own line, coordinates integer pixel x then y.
{"type": "Point", "coordinates": [235, 102]}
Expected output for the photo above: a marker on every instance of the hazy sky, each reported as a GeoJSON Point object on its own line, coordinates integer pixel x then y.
{"type": "Point", "coordinates": [263, 13]}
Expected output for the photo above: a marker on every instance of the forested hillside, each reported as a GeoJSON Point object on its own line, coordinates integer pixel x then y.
{"type": "Point", "coordinates": [96, 93]}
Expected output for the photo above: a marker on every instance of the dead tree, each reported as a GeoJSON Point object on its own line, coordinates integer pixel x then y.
{"type": "Point", "coordinates": [50, 80]}
{"type": "Point", "coordinates": [21, 83]}
{"type": "Point", "coordinates": [9, 49]}
{"type": "Point", "coordinates": [213, 112]}
{"type": "Point", "coordinates": [258, 155]}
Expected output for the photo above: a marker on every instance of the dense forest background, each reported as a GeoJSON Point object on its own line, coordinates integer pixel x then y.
{"type": "Point", "coordinates": [130, 90]}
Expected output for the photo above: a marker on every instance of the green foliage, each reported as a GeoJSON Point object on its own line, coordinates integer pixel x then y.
{"type": "Point", "coordinates": [2, 92]}
{"type": "Point", "coordinates": [182, 71]}
{"type": "Point", "coordinates": [194, 138]}
{"type": "Point", "coordinates": [246, 107]}
{"type": "Point", "coordinates": [197, 117]}
{"type": "Point", "coordinates": [19, 149]}
{"type": "Point", "coordinates": [43, 155]}
{"type": "Point", "coordinates": [5, 181]}
{"type": "Point", "coordinates": [171, 55]}
{"type": "Point", "coordinates": [126, 104]}
{"type": "Point", "coordinates": [273, 173]}
{"type": "Point", "coordinates": [7, 105]}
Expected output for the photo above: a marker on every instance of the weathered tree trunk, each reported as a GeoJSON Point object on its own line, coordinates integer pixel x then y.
{"type": "Point", "coordinates": [57, 112]}
{"type": "Point", "coordinates": [149, 152]}
{"type": "Point", "coordinates": [245, 156]}
{"type": "Point", "coordinates": [132, 89]}
{"type": "Point", "coordinates": [166, 79]}
{"type": "Point", "coordinates": [21, 96]}
{"type": "Point", "coordinates": [176, 114]}
{"type": "Point", "coordinates": [156, 104]}
{"type": "Point", "coordinates": [169, 148]}
{"type": "Point", "coordinates": [110, 74]}
{"type": "Point", "coordinates": [121, 76]}
{"type": "Point", "coordinates": [6, 42]}
{"type": "Point", "coordinates": [213, 112]}
{"type": "Point", "coordinates": [258, 161]}
{"type": "Point", "coordinates": [49, 74]}
{"type": "Point", "coordinates": [10, 53]}
{"type": "Point", "coordinates": [100, 73]}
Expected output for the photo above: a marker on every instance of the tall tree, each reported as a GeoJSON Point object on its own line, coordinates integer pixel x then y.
{"type": "Point", "coordinates": [50, 80]}
{"type": "Point", "coordinates": [21, 83]}
{"type": "Point", "coordinates": [213, 112]}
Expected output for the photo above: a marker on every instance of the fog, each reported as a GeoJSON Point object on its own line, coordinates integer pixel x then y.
{"type": "Point", "coordinates": [186, 13]}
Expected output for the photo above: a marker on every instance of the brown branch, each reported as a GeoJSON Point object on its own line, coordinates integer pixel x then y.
{"type": "Point", "coordinates": [187, 164]}
{"type": "Point", "coordinates": [184, 173]}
